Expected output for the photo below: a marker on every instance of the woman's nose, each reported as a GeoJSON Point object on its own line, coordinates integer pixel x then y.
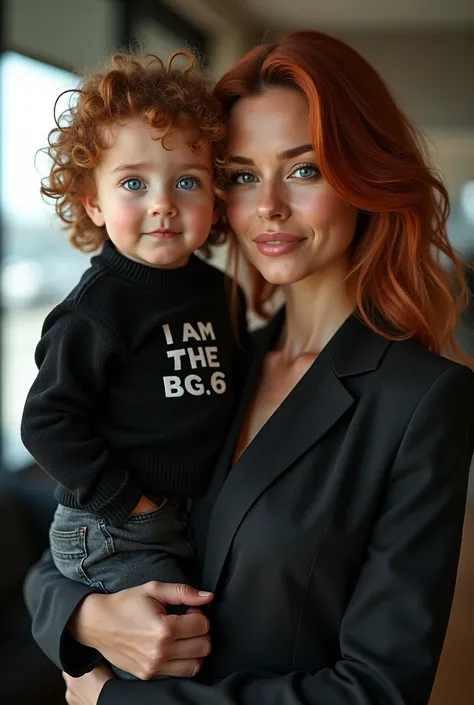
{"type": "Point", "coordinates": [272, 203]}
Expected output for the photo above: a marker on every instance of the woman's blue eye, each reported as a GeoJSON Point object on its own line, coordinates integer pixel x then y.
{"type": "Point", "coordinates": [133, 184]}
{"type": "Point", "coordinates": [187, 183]}
{"type": "Point", "coordinates": [243, 177]}
{"type": "Point", "coordinates": [306, 172]}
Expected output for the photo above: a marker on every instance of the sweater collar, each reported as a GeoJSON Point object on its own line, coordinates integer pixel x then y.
{"type": "Point", "coordinates": [165, 280]}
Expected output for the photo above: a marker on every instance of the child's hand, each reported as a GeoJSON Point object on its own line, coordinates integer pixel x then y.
{"type": "Point", "coordinates": [144, 505]}
{"type": "Point", "coordinates": [86, 690]}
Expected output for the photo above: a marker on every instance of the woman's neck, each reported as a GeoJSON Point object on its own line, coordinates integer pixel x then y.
{"type": "Point", "coordinates": [315, 308]}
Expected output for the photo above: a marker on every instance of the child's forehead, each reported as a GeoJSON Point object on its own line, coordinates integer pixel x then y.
{"type": "Point", "coordinates": [135, 133]}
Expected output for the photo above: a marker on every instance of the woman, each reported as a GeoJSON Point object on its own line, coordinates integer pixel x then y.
{"type": "Point", "coordinates": [330, 533]}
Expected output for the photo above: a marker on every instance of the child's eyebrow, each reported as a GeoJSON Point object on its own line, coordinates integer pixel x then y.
{"type": "Point", "coordinates": [148, 165]}
{"type": "Point", "coordinates": [200, 167]}
{"type": "Point", "coordinates": [132, 167]}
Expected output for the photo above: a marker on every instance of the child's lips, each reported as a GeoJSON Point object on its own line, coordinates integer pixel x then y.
{"type": "Point", "coordinates": [163, 233]}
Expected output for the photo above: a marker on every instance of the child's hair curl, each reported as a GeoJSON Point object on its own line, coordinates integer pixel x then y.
{"type": "Point", "coordinates": [164, 95]}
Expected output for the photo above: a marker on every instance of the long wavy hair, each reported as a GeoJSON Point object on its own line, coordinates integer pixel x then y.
{"type": "Point", "coordinates": [165, 95]}
{"type": "Point", "coordinates": [405, 279]}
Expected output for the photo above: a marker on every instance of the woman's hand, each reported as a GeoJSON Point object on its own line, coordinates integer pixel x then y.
{"type": "Point", "coordinates": [132, 630]}
{"type": "Point", "coordinates": [86, 690]}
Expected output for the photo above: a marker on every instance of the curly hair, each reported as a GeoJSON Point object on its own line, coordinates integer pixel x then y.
{"type": "Point", "coordinates": [375, 160]}
{"type": "Point", "coordinates": [165, 96]}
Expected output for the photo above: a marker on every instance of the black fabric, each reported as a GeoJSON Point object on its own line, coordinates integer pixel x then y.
{"type": "Point", "coordinates": [332, 544]}
{"type": "Point", "coordinates": [139, 369]}
{"type": "Point", "coordinates": [26, 509]}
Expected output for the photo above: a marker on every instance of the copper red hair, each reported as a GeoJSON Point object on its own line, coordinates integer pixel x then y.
{"type": "Point", "coordinates": [375, 160]}
{"type": "Point", "coordinates": [165, 95]}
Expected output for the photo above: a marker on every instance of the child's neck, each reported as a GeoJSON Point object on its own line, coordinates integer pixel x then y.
{"type": "Point", "coordinates": [178, 264]}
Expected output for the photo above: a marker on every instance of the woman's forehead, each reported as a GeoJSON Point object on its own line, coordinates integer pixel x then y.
{"type": "Point", "coordinates": [275, 120]}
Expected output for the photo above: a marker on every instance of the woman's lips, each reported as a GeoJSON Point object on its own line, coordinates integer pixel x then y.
{"type": "Point", "coordinates": [276, 244]}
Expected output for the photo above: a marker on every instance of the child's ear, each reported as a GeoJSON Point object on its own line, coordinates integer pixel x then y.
{"type": "Point", "coordinates": [93, 209]}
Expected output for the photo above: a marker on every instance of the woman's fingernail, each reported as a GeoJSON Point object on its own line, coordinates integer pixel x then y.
{"type": "Point", "coordinates": [203, 593]}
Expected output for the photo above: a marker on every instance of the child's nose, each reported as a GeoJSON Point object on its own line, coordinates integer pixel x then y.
{"type": "Point", "coordinates": [163, 205]}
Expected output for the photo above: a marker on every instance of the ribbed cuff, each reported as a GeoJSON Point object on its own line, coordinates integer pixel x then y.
{"type": "Point", "coordinates": [114, 498]}
{"type": "Point", "coordinates": [114, 503]}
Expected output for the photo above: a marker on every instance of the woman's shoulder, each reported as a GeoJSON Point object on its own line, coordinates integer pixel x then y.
{"type": "Point", "coordinates": [410, 369]}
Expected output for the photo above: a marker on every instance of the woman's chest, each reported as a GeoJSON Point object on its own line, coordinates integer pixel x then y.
{"type": "Point", "coordinates": [276, 382]}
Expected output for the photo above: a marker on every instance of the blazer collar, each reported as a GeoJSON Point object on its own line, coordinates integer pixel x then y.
{"type": "Point", "coordinates": [354, 348]}
{"type": "Point", "coordinates": [314, 405]}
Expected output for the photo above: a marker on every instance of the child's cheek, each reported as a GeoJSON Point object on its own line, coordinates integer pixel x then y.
{"type": "Point", "coordinates": [125, 216]}
{"type": "Point", "coordinates": [201, 215]}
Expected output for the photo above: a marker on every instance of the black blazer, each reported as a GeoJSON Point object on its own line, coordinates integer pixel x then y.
{"type": "Point", "coordinates": [332, 544]}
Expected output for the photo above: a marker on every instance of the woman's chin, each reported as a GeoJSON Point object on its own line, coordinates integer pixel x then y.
{"type": "Point", "coordinates": [282, 274]}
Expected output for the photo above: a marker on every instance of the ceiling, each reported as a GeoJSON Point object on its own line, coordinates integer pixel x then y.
{"type": "Point", "coordinates": [360, 14]}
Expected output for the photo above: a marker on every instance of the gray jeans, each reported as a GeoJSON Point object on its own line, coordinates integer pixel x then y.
{"type": "Point", "coordinates": [154, 545]}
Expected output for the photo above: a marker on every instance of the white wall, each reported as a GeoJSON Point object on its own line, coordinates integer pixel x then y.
{"type": "Point", "coordinates": [231, 29]}
{"type": "Point", "coordinates": [429, 72]}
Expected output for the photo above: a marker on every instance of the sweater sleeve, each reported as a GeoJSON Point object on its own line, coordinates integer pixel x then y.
{"type": "Point", "coordinates": [58, 419]}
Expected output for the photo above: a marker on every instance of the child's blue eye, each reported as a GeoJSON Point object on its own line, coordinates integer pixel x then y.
{"type": "Point", "coordinates": [188, 183]}
{"type": "Point", "coordinates": [133, 184]}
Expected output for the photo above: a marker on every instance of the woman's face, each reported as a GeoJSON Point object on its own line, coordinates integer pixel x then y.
{"type": "Point", "coordinates": [290, 223]}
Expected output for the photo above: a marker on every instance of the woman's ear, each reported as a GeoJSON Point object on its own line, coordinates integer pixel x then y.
{"type": "Point", "coordinates": [93, 209]}
{"type": "Point", "coordinates": [220, 205]}
{"type": "Point", "coordinates": [221, 189]}
{"type": "Point", "coordinates": [216, 213]}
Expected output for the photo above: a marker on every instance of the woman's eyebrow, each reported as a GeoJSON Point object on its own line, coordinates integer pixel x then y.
{"type": "Point", "coordinates": [281, 156]}
{"type": "Point", "coordinates": [295, 152]}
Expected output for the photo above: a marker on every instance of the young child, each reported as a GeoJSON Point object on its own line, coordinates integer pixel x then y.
{"type": "Point", "coordinates": [139, 365]}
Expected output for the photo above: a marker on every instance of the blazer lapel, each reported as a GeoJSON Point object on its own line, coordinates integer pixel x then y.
{"type": "Point", "coordinates": [202, 509]}
{"type": "Point", "coordinates": [309, 411]}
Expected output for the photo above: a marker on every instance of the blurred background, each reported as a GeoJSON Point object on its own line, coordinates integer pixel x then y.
{"type": "Point", "coordinates": [425, 51]}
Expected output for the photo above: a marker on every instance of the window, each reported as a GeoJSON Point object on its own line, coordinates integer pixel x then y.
{"type": "Point", "coordinates": [38, 265]}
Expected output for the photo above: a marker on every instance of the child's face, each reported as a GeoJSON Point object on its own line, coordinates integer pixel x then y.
{"type": "Point", "coordinates": [156, 202]}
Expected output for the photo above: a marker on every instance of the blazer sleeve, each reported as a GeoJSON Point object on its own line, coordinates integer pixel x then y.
{"type": "Point", "coordinates": [51, 600]}
{"type": "Point", "coordinates": [394, 625]}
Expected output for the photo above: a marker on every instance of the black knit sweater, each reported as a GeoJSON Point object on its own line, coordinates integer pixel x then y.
{"type": "Point", "coordinates": [138, 374]}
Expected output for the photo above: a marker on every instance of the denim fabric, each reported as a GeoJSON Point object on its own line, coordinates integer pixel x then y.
{"type": "Point", "coordinates": [153, 545]}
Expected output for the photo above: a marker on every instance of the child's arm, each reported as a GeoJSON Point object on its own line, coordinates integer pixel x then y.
{"type": "Point", "coordinates": [58, 420]}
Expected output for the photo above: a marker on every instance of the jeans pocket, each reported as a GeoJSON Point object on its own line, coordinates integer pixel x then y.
{"type": "Point", "coordinates": [162, 529]}
{"type": "Point", "coordinates": [150, 514]}
{"type": "Point", "coordinates": [69, 551]}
